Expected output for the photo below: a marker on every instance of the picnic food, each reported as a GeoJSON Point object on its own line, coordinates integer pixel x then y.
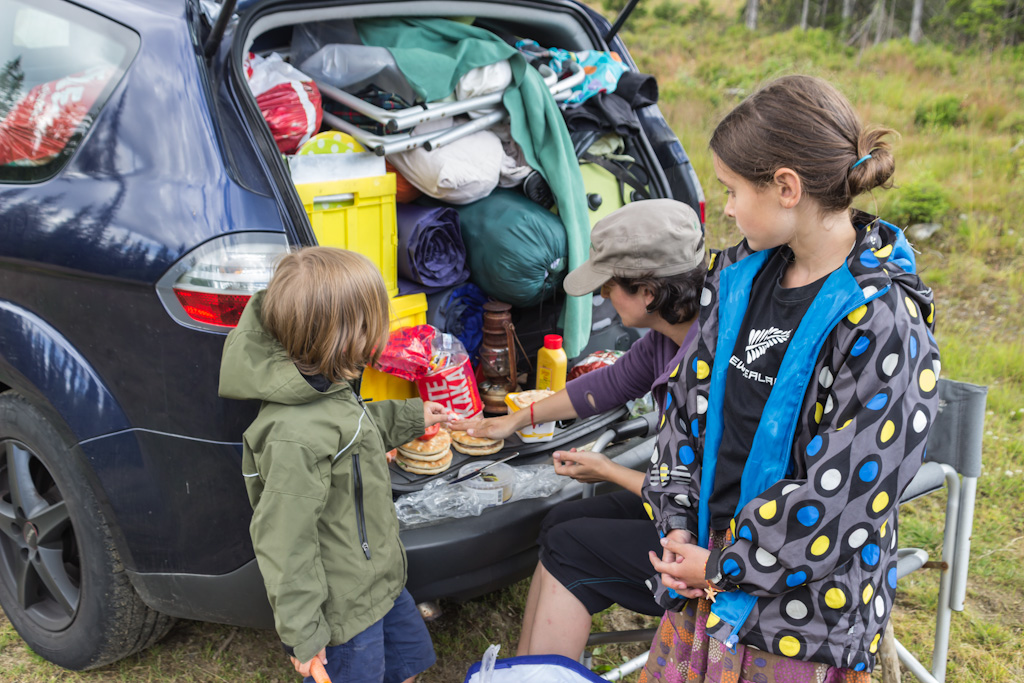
{"type": "Point", "coordinates": [476, 445]}
{"type": "Point", "coordinates": [429, 467]}
{"type": "Point", "coordinates": [430, 432]}
{"type": "Point", "coordinates": [523, 399]}
{"type": "Point", "coordinates": [431, 456]}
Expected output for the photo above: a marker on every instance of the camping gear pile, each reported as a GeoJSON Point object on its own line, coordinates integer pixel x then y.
{"type": "Point", "coordinates": [468, 168]}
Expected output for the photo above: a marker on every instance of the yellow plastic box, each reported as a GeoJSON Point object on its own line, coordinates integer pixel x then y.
{"type": "Point", "coordinates": [359, 215]}
{"type": "Point", "coordinates": [377, 386]}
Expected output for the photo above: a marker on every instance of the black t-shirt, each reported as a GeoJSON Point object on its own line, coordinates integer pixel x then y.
{"type": "Point", "coordinates": [772, 317]}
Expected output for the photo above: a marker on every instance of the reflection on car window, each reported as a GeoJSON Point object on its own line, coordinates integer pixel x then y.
{"type": "Point", "coordinates": [58, 65]}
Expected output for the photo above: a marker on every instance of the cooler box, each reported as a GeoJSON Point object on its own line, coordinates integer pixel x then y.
{"type": "Point", "coordinates": [357, 214]}
{"type": "Point", "coordinates": [377, 386]}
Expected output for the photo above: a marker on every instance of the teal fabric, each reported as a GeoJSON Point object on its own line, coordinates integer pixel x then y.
{"type": "Point", "coordinates": [515, 248]}
{"type": "Point", "coordinates": [434, 54]}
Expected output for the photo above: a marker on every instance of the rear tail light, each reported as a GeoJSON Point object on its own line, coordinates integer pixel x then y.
{"type": "Point", "coordinates": [209, 287]}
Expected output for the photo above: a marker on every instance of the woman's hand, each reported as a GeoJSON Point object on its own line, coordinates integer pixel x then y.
{"type": "Point", "coordinates": [488, 428]}
{"type": "Point", "coordinates": [682, 564]}
{"type": "Point", "coordinates": [303, 667]}
{"type": "Point", "coordinates": [434, 413]}
{"type": "Point", "coordinates": [583, 466]}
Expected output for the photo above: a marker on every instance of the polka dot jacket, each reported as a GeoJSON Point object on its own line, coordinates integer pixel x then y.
{"type": "Point", "coordinates": [818, 546]}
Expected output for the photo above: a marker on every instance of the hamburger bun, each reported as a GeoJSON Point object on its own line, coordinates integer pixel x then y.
{"type": "Point", "coordinates": [437, 466]}
{"type": "Point", "coordinates": [526, 398]}
{"type": "Point", "coordinates": [476, 445]}
{"type": "Point", "coordinates": [423, 450]}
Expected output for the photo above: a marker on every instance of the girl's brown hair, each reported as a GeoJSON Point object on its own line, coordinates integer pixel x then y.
{"type": "Point", "coordinates": [805, 124]}
{"type": "Point", "coordinates": [329, 308]}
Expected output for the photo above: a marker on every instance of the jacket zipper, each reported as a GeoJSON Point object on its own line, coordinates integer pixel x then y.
{"type": "Point", "coordinates": [360, 517]}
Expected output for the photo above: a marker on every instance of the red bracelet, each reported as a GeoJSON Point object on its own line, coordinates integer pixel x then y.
{"type": "Point", "coordinates": [532, 423]}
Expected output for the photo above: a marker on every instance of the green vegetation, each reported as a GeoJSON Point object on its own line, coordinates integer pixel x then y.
{"type": "Point", "coordinates": [945, 111]}
{"type": "Point", "coordinates": [959, 162]}
{"type": "Point", "coordinates": [919, 201]}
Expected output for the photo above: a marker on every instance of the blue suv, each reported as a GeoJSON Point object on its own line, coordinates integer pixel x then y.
{"type": "Point", "coordinates": [142, 201]}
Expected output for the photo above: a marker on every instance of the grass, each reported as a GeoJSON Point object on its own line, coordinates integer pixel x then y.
{"type": "Point", "coordinates": [704, 69]}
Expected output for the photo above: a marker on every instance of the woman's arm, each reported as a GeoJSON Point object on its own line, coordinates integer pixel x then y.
{"type": "Point", "coordinates": [555, 407]}
{"type": "Point", "coordinates": [591, 468]}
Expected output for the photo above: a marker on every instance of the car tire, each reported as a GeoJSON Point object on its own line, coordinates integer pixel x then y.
{"type": "Point", "coordinates": [62, 583]}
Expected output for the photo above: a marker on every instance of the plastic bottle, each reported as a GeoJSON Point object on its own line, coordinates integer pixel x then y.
{"type": "Point", "coordinates": [551, 364]}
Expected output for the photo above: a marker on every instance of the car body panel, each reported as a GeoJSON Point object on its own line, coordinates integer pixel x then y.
{"type": "Point", "coordinates": [177, 157]}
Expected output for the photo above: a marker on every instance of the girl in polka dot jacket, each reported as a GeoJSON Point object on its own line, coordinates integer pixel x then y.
{"type": "Point", "coordinates": [801, 416]}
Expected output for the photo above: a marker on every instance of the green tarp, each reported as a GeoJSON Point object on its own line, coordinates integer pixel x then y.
{"type": "Point", "coordinates": [434, 54]}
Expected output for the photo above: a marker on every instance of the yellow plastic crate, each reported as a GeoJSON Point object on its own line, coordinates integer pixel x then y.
{"type": "Point", "coordinates": [377, 386]}
{"type": "Point", "coordinates": [358, 215]}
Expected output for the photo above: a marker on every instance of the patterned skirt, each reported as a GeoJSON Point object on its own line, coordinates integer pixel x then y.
{"type": "Point", "coordinates": [683, 652]}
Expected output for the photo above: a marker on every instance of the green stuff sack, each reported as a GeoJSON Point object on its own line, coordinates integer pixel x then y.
{"type": "Point", "coordinates": [516, 249]}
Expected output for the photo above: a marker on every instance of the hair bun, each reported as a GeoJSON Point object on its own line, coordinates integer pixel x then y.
{"type": "Point", "coordinates": [875, 164]}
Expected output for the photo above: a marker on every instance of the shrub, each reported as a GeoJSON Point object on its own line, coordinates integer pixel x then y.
{"type": "Point", "coordinates": [946, 111]}
{"type": "Point", "coordinates": [667, 12]}
{"type": "Point", "coordinates": [920, 201]}
{"type": "Point", "coordinates": [1012, 123]}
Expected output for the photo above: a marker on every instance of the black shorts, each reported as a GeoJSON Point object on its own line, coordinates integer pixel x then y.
{"type": "Point", "coordinates": [597, 548]}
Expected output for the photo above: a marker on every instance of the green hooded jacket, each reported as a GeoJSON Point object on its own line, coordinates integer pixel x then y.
{"type": "Point", "coordinates": [324, 526]}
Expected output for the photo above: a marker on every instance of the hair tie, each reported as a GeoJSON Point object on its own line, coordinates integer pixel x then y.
{"type": "Point", "coordinates": [861, 160]}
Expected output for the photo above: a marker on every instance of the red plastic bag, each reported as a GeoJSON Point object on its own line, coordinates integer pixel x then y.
{"type": "Point", "coordinates": [408, 352]}
{"type": "Point", "coordinates": [288, 99]}
{"type": "Point", "coordinates": [595, 360]}
{"type": "Point", "coordinates": [41, 123]}
{"type": "Point", "coordinates": [439, 365]}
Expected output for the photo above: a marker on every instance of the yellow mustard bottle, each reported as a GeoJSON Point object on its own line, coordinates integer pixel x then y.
{"type": "Point", "coordinates": [551, 364]}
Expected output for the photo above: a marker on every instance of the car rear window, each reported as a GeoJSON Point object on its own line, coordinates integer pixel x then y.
{"type": "Point", "coordinates": [58, 65]}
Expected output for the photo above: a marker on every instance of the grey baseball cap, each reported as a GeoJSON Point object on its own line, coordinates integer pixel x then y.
{"type": "Point", "coordinates": [657, 237]}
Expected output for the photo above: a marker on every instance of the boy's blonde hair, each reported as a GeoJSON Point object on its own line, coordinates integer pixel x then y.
{"type": "Point", "coordinates": [329, 308]}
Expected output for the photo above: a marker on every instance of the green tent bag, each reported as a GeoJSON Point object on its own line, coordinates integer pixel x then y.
{"type": "Point", "coordinates": [516, 249]}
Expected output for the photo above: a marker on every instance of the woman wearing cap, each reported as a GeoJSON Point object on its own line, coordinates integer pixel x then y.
{"type": "Point", "coordinates": [648, 259]}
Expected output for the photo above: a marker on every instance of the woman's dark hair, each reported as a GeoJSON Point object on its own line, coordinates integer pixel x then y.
{"type": "Point", "coordinates": [676, 297]}
{"type": "Point", "coordinates": [804, 123]}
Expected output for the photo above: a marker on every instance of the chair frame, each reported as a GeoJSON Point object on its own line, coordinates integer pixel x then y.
{"type": "Point", "coordinates": [954, 449]}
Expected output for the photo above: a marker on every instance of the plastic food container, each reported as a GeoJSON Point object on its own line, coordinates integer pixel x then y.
{"type": "Point", "coordinates": [542, 431]}
{"type": "Point", "coordinates": [495, 486]}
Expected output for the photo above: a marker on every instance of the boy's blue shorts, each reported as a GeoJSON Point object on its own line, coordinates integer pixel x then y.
{"type": "Point", "coordinates": [395, 648]}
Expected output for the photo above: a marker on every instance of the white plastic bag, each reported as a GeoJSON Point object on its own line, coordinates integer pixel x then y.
{"type": "Point", "coordinates": [460, 172]}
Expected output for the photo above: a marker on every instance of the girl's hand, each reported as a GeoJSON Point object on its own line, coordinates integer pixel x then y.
{"type": "Point", "coordinates": [583, 466]}
{"type": "Point", "coordinates": [487, 428]}
{"type": "Point", "coordinates": [433, 413]}
{"type": "Point", "coordinates": [682, 564]}
{"type": "Point", "coordinates": [303, 667]}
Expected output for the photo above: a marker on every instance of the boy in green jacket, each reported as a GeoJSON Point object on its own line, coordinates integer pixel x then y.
{"type": "Point", "coordinates": [324, 526]}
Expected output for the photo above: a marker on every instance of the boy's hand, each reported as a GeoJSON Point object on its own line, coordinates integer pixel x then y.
{"type": "Point", "coordinates": [433, 413]}
{"type": "Point", "coordinates": [303, 667]}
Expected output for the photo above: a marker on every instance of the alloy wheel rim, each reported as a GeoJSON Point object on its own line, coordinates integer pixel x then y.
{"type": "Point", "coordinates": [40, 563]}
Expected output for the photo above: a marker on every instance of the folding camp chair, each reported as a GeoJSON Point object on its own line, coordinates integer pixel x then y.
{"type": "Point", "coordinates": [953, 459]}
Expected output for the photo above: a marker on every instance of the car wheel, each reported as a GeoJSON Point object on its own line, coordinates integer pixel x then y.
{"type": "Point", "coordinates": [62, 583]}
